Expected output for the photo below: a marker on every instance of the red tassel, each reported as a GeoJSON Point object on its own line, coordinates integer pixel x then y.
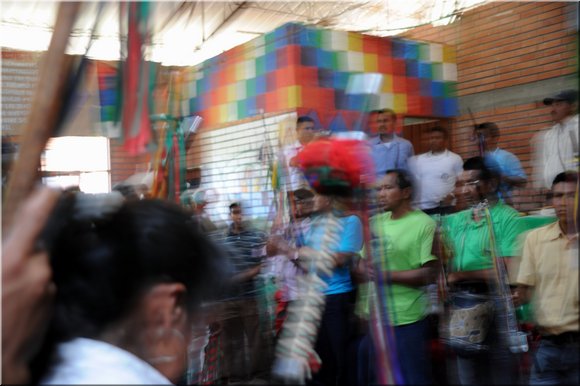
{"type": "Point", "coordinates": [344, 161]}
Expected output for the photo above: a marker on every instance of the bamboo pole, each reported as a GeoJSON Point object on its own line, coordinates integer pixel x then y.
{"type": "Point", "coordinates": [44, 114]}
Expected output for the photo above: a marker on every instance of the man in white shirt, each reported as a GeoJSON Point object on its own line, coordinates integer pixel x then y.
{"type": "Point", "coordinates": [556, 150]}
{"type": "Point", "coordinates": [293, 178]}
{"type": "Point", "coordinates": [435, 173]}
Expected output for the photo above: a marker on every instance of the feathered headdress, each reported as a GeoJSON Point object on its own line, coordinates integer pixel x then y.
{"type": "Point", "coordinates": [336, 166]}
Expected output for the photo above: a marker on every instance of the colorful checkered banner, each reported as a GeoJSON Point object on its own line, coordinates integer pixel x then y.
{"type": "Point", "coordinates": [306, 68]}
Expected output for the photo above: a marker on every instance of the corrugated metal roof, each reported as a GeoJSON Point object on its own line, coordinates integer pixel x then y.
{"type": "Point", "coordinates": [186, 33]}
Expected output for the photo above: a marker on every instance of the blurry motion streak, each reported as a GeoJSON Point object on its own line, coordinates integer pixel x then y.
{"type": "Point", "coordinates": [295, 355]}
{"type": "Point", "coordinates": [45, 112]}
{"type": "Point", "coordinates": [332, 167]}
{"type": "Point", "coordinates": [517, 340]}
{"type": "Point", "coordinates": [477, 136]}
{"type": "Point", "coordinates": [387, 367]}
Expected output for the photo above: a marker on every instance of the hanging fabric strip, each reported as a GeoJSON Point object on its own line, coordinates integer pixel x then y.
{"type": "Point", "coordinates": [177, 155]}
{"type": "Point", "coordinates": [159, 181]}
{"type": "Point", "coordinates": [181, 151]}
{"type": "Point", "coordinates": [135, 122]}
{"type": "Point", "coordinates": [170, 162]}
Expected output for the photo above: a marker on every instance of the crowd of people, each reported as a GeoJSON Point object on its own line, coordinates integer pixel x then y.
{"type": "Point", "coordinates": [418, 278]}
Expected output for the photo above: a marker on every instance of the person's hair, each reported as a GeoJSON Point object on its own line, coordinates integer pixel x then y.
{"type": "Point", "coordinates": [303, 194]}
{"type": "Point", "coordinates": [385, 111]}
{"type": "Point", "coordinates": [103, 265]}
{"type": "Point", "coordinates": [304, 118]}
{"type": "Point", "coordinates": [439, 129]}
{"type": "Point", "coordinates": [566, 176]}
{"type": "Point", "coordinates": [478, 163]}
{"type": "Point", "coordinates": [404, 179]}
{"type": "Point", "coordinates": [234, 205]}
{"type": "Point", "coordinates": [128, 191]}
{"type": "Point", "coordinates": [491, 128]}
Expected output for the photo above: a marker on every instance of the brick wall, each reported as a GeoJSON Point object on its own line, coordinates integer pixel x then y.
{"type": "Point", "coordinates": [502, 46]}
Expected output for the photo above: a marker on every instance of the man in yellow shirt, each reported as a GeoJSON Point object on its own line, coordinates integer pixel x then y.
{"type": "Point", "coordinates": [548, 276]}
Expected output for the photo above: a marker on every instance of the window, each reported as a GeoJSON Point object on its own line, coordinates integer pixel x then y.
{"type": "Point", "coordinates": [77, 161]}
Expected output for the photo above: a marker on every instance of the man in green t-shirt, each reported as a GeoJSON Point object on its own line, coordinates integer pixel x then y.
{"type": "Point", "coordinates": [472, 277]}
{"type": "Point", "coordinates": [402, 239]}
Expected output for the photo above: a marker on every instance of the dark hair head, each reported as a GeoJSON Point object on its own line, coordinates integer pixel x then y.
{"type": "Point", "coordinates": [102, 267]}
{"type": "Point", "coordinates": [304, 118]}
{"type": "Point", "coordinates": [128, 191]}
{"type": "Point", "coordinates": [404, 179]}
{"type": "Point", "coordinates": [479, 164]}
{"type": "Point", "coordinates": [385, 111]}
{"type": "Point", "coordinates": [491, 128]}
{"type": "Point", "coordinates": [303, 194]}
{"type": "Point", "coordinates": [566, 176]}
{"type": "Point", "coordinates": [439, 129]}
{"type": "Point", "coordinates": [234, 205]}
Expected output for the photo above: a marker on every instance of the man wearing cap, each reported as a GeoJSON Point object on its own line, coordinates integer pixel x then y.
{"type": "Point", "coordinates": [193, 177]}
{"type": "Point", "coordinates": [196, 201]}
{"type": "Point", "coordinates": [556, 149]}
{"type": "Point", "coordinates": [504, 163]}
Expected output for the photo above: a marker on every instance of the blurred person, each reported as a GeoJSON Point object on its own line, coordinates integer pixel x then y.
{"type": "Point", "coordinates": [305, 133]}
{"type": "Point", "coordinates": [505, 164]}
{"type": "Point", "coordinates": [9, 153]}
{"type": "Point", "coordinates": [193, 177]}
{"type": "Point", "coordinates": [389, 151]}
{"type": "Point", "coordinates": [27, 287]}
{"type": "Point", "coordinates": [241, 311]}
{"type": "Point", "coordinates": [195, 201]}
{"type": "Point", "coordinates": [279, 246]}
{"type": "Point", "coordinates": [205, 332]}
{"type": "Point", "coordinates": [130, 276]}
{"type": "Point", "coordinates": [402, 238]}
{"type": "Point", "coordinates": [333, 333]}
{"type": "Point", "coordinates": [435, 174]}
{"type": "Point", "coordinates": [315, 335]}
{"type": "Point", "coordinates": [556, 149]}
{"type": "Point", "coordinates": [130, 192]}
{"type": "Point", "coordinates": [548, 277]}
{"type": "Point", "coordinates": [472, 278]}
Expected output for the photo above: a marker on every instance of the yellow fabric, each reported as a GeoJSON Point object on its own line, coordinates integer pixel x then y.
{"type": "Point", "coordinates": [550, 265]}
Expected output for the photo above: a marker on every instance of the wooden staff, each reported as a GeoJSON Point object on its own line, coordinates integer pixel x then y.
{"type": "Point", "coordinates": [479, 138]}
{"type": "Point", "coordinates": [44, 114]}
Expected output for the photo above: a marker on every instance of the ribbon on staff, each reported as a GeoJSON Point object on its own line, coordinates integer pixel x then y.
{"type": "Point", "coordinates": [517, 340]}
{"type": "Point", "coordinates": [384, 297]}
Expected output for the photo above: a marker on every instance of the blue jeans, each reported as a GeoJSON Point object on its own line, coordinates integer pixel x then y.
{"type": "Point", "coordinates": [366, 362]}
{"type": "Point", "coordinates": [412, 341]}
{"type": "Point", "coordinates": [556, 364]}
{"type": "Point", "coordinates": [332, 340]}
{"type": "Point", "coordinates": [413, 352]}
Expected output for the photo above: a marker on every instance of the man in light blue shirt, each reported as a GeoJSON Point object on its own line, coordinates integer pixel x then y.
{"type": "Point", "coordinates": [389, 151]}
{"type": "Point", "coordinates": [504, 163]}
